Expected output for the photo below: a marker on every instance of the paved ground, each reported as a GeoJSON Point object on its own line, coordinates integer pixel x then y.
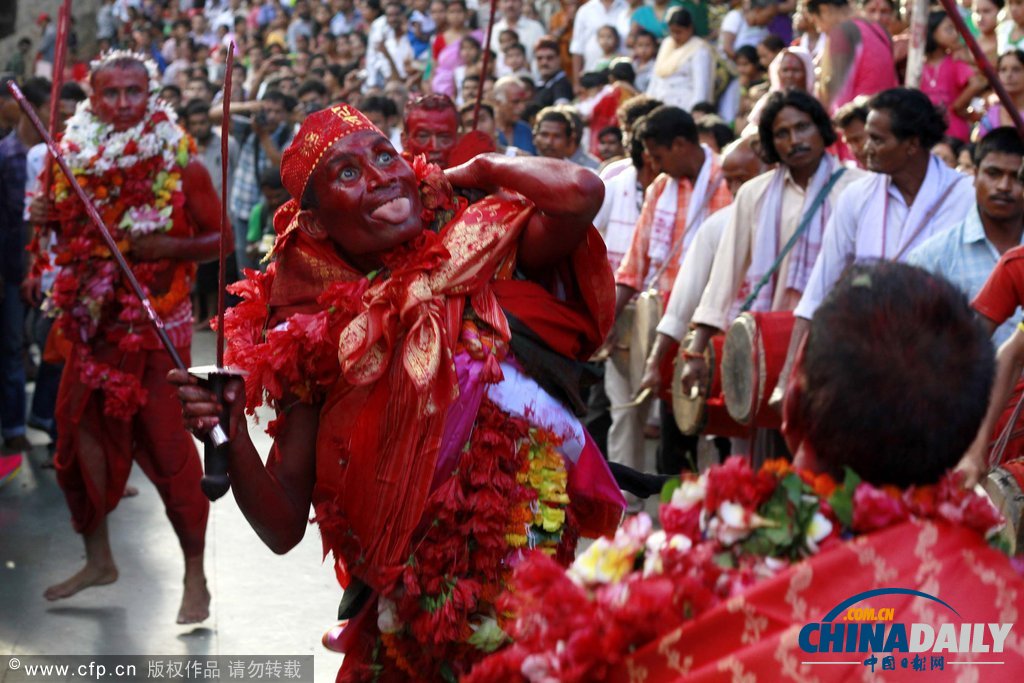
{"type": "Point", "coordinates": [263, 604]}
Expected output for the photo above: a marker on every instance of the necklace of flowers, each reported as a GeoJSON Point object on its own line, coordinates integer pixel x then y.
{"type": "Point", "coordinates": [722, 532]}
{"type": "Point", "coordinates": [134, 179]}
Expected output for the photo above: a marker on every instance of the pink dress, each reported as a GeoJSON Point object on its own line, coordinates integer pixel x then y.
{"type": "Point", "coordinates": [873, 67]}
{"type": "Point", "coordinates": [943, 83]}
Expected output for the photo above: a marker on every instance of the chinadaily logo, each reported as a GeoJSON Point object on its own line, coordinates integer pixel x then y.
{"type": "Point", "coordinates": [863, 631]}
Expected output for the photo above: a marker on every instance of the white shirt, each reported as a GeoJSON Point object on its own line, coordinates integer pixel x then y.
{"type": "Point", "coordinates": [694, 273]}
{"type": "Point", "coordinates": [854, 232]}
{"type": "Point", "coordinates": [619, 211]}
{"type": "Point", "coordinates": [528, 30]}
{"type": "Point", "coordinates": [589, 18]}
{"type": "Point", "coordinates": [692, 82]}
{"type": "Point", "coordinates": [378, 69]}
{"type": "Point", "coordinates": [745, 33]}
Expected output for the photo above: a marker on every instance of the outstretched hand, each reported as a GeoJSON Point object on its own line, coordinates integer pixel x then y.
{"type": "Point", "coordinates": [201, 409]}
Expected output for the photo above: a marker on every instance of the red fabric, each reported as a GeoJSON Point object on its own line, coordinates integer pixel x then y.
{"type": "Point", "coordinates": [380, 430]}
{"type": "Point", "coordinates": [318, 132]}
{"type": "Point", "coordinates": [1003, 292]}
{"type": "Point", "coordinates": [574, 327]}
{"type": "Point", "coordinates": [754, 637]}
{"type": "Point", "coordinates": [91, 442]}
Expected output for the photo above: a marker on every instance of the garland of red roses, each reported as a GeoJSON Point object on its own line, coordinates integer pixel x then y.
{"type": "Point", "coordinates": [571, 629]}
{"type": "Point", "coordinates": [443, 606]}
{"type": "Point", "coordinates": [90, 296]}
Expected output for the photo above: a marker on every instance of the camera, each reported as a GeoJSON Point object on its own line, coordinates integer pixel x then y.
{"type": "Point", "coordinates": [261, 118]}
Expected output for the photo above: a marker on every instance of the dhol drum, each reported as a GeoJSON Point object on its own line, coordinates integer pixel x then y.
{"type": "Point", "coordinates": [1005, 488]}
{"type": "Point", "coordinates": [703, 413]}
{"type": "Point", "coordinates": [752, 357]}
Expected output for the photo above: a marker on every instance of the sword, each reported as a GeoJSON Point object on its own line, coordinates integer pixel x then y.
{"type": "Point", "coordinates": [215, 481]}
{"type": "Point", "coordinates": [217, 434]}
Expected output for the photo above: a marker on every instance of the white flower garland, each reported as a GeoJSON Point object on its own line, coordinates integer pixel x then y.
{"type": "Point", "coordinates": [92, 147]}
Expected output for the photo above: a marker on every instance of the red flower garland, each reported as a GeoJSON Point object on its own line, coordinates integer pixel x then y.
{"type": "Point", "coordinates": [567, 627]}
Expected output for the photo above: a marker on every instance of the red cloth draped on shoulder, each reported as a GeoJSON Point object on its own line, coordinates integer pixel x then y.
{"type": "Point", "coordinates": [381, 424]}
{"type": "Point", "coordinates": [755, 636]}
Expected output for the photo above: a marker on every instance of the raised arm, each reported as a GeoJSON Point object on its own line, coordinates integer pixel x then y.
{"type": "Point", "coordinates": [567, 198]}
{"type": "Point", "coordinates": [1009, 364]}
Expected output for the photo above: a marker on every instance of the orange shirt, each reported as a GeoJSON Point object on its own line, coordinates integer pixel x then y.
{"type": "Point", "coordinates": [644, 256]}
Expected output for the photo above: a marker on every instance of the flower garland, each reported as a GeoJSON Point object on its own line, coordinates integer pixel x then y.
{"type": "Point", "coordinates": [722, 532]}
{"type": "Point", "coordinates": [441, 617]}
{"type": "Point", "coordinates": [134, 179]}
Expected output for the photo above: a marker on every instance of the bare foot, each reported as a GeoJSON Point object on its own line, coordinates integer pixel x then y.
{"type": "Point", "coordinates": [90, 575]}
{"type": "Point", "coordinates": [195, 602]}
{"type": "Point", "coordinates": [130, 491]}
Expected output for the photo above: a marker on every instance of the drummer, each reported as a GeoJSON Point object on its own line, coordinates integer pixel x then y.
{"type": "Point", "coordinates": [911, 196]}
{"type": "Point", "coordinates": [740, 163]}
{"type": "Point", "coordinates": [689, 188]}
{"type": "Point", "coordinates": [799, 195]}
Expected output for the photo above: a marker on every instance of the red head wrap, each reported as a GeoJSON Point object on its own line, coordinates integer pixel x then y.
{"type": "Point", "coordinates": [318, 132]}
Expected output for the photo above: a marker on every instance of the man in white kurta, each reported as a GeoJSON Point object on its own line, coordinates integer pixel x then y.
{"type": "Point", "coordinates": [794, 132]}
{"type": "Point", "coordinates": [911, 196]}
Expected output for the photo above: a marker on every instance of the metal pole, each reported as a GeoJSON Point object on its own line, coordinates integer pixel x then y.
{"type": "Point", "coordinates": [918, 38]}
{"type": "Point", "coordinates": [982, 61]}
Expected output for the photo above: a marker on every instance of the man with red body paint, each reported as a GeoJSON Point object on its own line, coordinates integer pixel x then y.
{"type": "Point", "coordinates": [431, 128]}
{"type": "Point", "coordinates": [96, 447]}
{"type": "Point", "coordinates": [423, 337]}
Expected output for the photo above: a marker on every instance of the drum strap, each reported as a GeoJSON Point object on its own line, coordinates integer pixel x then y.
{"type": "Point", "coordinates": [800, 230]}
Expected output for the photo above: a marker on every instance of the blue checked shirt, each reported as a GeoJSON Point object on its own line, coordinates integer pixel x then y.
{"type": "Point", "coordinates": [245, 187]}
{"type": "Point", "coordinates": [964, 256]}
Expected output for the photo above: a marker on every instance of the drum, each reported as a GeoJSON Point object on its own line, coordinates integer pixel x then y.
{"type": "Point", "coordinates": [705, 414]}
{"type": "Point", "coordinates": [752, 357]}
{"type": "Point", "coordinates": [1005, 488]}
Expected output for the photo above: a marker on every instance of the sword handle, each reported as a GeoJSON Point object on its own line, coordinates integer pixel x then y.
{"type": "Point", "coordinates": [215, 481]}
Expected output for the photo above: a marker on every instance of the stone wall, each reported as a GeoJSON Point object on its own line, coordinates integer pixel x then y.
{"type": "Point", "coordinates": [26, 12]}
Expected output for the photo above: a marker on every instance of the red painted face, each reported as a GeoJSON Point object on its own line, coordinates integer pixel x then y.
{"type": "Point", "coordinates": [432, 133]}
{"type": "Point", "coordinates": [120, 96]}
{"type": "Point", "coordinates": [367, 197]}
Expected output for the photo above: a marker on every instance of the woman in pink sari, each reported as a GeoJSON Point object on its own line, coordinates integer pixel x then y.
{"type": "Point", "coordinates": [446, 47]}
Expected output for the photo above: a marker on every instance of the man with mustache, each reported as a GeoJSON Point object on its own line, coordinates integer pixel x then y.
{"type": "Point", "coordinates": [967, 253]}
{"type": "Point", "coordinates": [962, 255]}
{"type": "Point", "coordinates": [911, 196]}
{"type": "Point", "coordinates": [801, 192]}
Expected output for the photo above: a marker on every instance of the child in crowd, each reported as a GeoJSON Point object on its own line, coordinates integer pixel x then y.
{"type": "Point", "coordinates": [515, 61]}
{"type": "Point", "coordinates": [609, 41]}
{"type": "Point", "coordinates": [946, 80]}
{"type": "Point", "coordinates": [645, 49]}
{"type": "Point", "coordinates": [470, 53]}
